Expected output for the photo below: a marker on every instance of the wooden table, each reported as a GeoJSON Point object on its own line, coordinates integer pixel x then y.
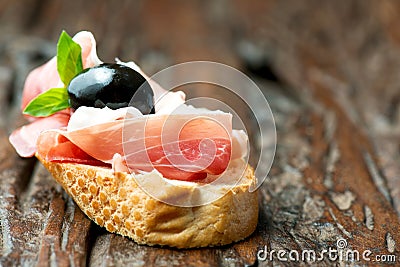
{"type": "Point", "coordinates": [331, 73]}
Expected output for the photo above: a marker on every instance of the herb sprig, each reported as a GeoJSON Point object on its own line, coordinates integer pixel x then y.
{"type": "Point", "coordinates": [69, 64]}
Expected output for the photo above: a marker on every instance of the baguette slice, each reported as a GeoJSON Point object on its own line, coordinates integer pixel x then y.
{"type": "Point", "coordinates": [116, 202]}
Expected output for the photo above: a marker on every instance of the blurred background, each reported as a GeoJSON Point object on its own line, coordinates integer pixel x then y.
{"type": "Point", "coordinates": [153, 33]}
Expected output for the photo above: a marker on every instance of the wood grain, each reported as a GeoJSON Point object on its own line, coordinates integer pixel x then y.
{"type": "Point", "coordinates": [330, 72]}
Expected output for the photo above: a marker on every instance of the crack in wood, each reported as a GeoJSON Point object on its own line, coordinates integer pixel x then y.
{"type": "Point", "coordinates": [6, 239]}
{"type": "Point", "coordinates": [388, 158]}
{"type": "Point", "coordinates": [332, 158]}
{"type": "Point", "coordinates": [377, 177]}
{"type": "Point", "coordinates": [339, 225]}
{"type": "Point", "coordinates": [368, 218]}
{"type": "Point", "coordinates": [99, 255]}
{"type": "Point", "coordinates": [390, 243]}
{"type": "Point", "coordinates": [68, 219]}
{"type": "Point", "coordinates": [338, 90]}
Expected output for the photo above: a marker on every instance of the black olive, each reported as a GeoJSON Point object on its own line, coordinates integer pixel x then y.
{"type": "Point", "coordinates": [111, 85]}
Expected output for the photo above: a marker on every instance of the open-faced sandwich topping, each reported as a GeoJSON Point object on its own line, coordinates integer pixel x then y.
{"type": "Point", "coordinates": [113, 113]}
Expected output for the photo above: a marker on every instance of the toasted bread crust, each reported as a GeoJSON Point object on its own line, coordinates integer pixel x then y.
{"type": "Point", "coordinates": [116, 202]}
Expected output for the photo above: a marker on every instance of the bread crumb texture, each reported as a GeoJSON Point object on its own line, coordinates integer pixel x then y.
{"type": "Point", "coordinates": [116, 202]}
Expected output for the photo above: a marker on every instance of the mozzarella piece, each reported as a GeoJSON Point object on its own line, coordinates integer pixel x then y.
{"type": "Point", "coordinates": [89, 116]}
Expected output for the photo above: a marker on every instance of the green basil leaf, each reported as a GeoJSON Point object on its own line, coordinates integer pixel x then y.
{"type": "Point", "coordinates": [69, 59]}
{"type": "Point", "coordinates": [48, 103]}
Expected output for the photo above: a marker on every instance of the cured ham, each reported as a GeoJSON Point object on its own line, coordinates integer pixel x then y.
{"type": "Point", "coordinates": [38, 81]}
{"type": "Point", "coordinates": [24, 139]}
{"type": "Point", "coordinates": [197, 145]}
{"type": "Point", "coordinates": [59, 149]}
{"type": "Point", "coordinates": [179, 146]}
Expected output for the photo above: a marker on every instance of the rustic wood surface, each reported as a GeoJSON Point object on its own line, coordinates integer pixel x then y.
{"type": "Point", "coordinates": [331, 73]}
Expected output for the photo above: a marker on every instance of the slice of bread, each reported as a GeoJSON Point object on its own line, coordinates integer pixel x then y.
{"type": "Point", "coordinates": [116, 202]}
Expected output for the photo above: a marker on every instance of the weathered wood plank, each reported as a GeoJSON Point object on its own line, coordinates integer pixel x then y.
{"type": "Point", "coordinates": [336, 107]}
{"type": "Point", "coordinates": [65, 237]}
{"type": "Point", "coordinates": [342, 167]}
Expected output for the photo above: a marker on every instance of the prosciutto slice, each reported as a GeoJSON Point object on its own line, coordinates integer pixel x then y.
{"type": "Point", "coordinates": [179, 146]}
{"type": "Point", "coordinates": [24, 139]}
{"type": "Point", "coordinates": [59, 149]}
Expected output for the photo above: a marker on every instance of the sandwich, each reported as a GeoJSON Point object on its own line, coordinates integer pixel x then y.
{"type": "Point", "coordinates": [136, 158]}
